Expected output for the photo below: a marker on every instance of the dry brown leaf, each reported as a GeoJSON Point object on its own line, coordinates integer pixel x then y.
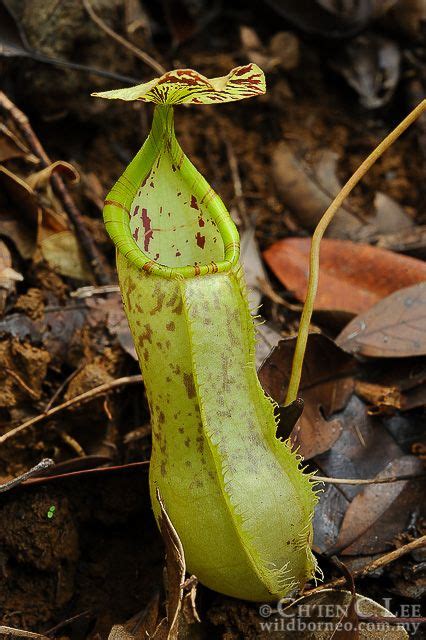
{"type": "Point", "coordinates": [58, 330]}
{"type": "Point", "coordinates": [8, 276]}
{"type": "Point", "coordinates": [52, 205]}
{"type": "Point", "coordinates": [19, 212]}
{"type": "Point", "coordinates": [136, 19]}
{"type": "Point", "coordinates": [323, 616]}
{"type": "Point", "coordinates": [411, 241]}
{"type": "Point", "coordinates": [63, 253]}
{"type": "Point", "coordinates": [390, 216]}
{"type": "Point", "coordinates": [370, 64]}
{"type": "Point", "coordinates": [327, 382]}
{"type": "Point", "coordinates": [394, 328]}
{"type": "Point", "coordinates": [139, 627]}
{"type": "Point", "coordinates": [381, 511]}
{"type": "Point", "coordinates": [394, 385]}
{"type": "Point", "coordinates": [267, 337]}
{"type": "Point", "coordinates": [41, 178]}
{"type": "Point", "coordinates": [353, 277]}
{"type": "Point", "coordinates": [12, 147]}
{"type": "Point", "coordinates": [306, 191]}
{"type": "Point", "coordinates": [285, 48]}
{"type": "Point", "coordinates": [168, 629]}
{"type": "Point", "coordinates": [363, 450]}
{"type": "Point", "coordinates": [118, 326]}
{"type": "Point", "coordinates": [254, 269]}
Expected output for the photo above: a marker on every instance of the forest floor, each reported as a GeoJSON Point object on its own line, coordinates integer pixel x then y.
{"type": "Point", "coordinates": [79, 548]}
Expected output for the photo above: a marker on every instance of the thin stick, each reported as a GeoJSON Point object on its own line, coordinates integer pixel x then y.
{"type": "Point", "coordinates": [7, 633]}
{"type": "Point", "coordinates": [238, 187]}
{"type": "Point", "coordinates": [94, 256]}
{"type": "Point", "coordinates": [267, 289]}
{"type": "Point", "coordinates": [145, 57]}
{"type": "Point", "coordinates": [418, 543]}
{"type": "Point", "coordinates": [357, 481]}
{"type": "Point", "coordinates": [65, 623]}
{"type": "Point", "coordinates": [46, 463]}
{"type": "Point", "coordinates": [84, 472]}
{"type": "Point", "coordinates": [73, 444]}
{"type": "Point", "coordinates": [83, 397]}
{"type": "Point", "coordinates": [302, 338]}
{"type": "Point", "coordinates": [60, 389]}
{"type": "Point", "coordinates": [103, 73]}
{"type": "Point", "coordinates": [22, 384]}
{"type": "Point", "coordinates": [88, 292]}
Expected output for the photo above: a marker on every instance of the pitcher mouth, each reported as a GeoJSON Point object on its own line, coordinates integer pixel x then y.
{"type": "Point", "coordinates": [132, 233]}
{"type": "Point", "coordinates": [117, 217]}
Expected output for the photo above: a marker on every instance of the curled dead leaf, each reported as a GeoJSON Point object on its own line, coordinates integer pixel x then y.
{"type": "Point", "coordinates": [19, 212]}
{"type": "Point", "coordinates": [309, 191]}
{"type": "Point", "coordinates": [395, 327]}
{"type": "Point", "coordinates": [8, 276]}
{"type": "Point", "coordinates": [41, 178]}
{"type": "Point", "coordinates": [11, 146]}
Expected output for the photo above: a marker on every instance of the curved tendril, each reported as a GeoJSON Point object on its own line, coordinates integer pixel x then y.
{"type": "Point", "coordinates": [302, 338]}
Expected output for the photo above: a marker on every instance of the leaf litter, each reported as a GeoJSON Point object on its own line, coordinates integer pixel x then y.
{"type": "Point", "coordinates": [361, 420]}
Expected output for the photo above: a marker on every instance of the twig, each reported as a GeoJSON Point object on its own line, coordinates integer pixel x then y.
{"type": "Point", "coordinates": [302, 338]}
{"type": "Point", "coordinates": [88, 292]}
{"type": "Point", "coordinates": [73, 444]}
{"type": "Point", "coordinates": [238, 187]}
{"type": "Point", "coordinates": [359, 435]}
{"type": "Point", "coordinates": [145, 57]}
{"type": "Point", "coordinates": [94, 256]}
{"type": "Point", "coordinates": [68, 621]}
{"type": "Point", "coordinates": [21, 383]}
{"type": "Point", "coordinates": [357, 481]}
{"type": "Point", "coordinates": [387, 558]}
{"type": "Point", "coordinates": [131, 466]}
{"type": "Point", "coordinates": [107, 409]}
{"type": "Point", "coordinates": [67, 64]}
{"type": "Point", "coordinates": [83, 397]}
{"type": "Point", "coordinates": [267, 289]}
{"type": "Point", "coordinates": [61, 387]}
{"type": "Point", "coordinates": [46, 463]}
{"type": "Point", "coordinates": [7, 633]}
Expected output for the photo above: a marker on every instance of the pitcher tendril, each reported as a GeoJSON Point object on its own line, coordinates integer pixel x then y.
{"type": "Point", "coordinates": [302, 338]}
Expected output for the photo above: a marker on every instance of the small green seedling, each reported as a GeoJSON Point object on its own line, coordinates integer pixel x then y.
{"type": "Point", "coordinates": [51, 512]}
{"type": "Point", "coordinates": [237, 496]}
